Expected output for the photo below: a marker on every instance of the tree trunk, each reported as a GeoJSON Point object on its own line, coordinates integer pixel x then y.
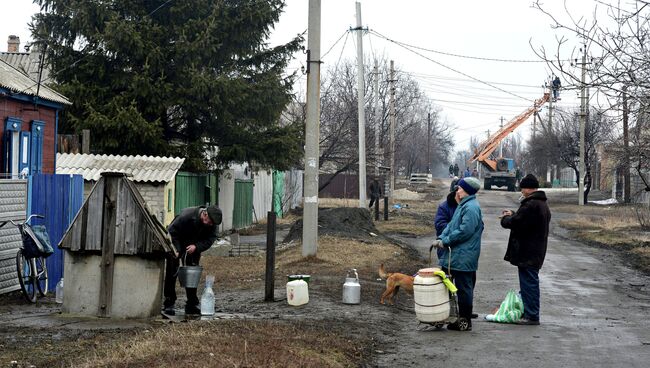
{"type": "Point", "coordinates": [626, 150]}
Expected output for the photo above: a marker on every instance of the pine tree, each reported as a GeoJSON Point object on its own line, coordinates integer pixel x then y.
{"type": "Point", "coordinates": [173, 77]}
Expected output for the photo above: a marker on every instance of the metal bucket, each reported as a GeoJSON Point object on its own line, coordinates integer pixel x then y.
{"type": "Point", "coordinates": [189, 276]}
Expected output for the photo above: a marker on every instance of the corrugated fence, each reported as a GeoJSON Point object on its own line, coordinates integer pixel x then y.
{"type": "Point", "coordinates": [58, 198]}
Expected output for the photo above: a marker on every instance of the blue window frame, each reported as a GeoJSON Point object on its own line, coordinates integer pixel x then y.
{"type": "Point", "coordinates": [36, 152]}
{"type": "Point", "coordinates": [11, 145]}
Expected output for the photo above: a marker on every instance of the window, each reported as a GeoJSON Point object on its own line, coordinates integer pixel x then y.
{"type": "Point", "coordinates": [11, 144]}
{"type": "Point", "coordinates": [36, 162]}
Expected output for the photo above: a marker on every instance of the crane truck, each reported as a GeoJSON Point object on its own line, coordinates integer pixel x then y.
{"type": "Point", "coordinates": [501, 171]}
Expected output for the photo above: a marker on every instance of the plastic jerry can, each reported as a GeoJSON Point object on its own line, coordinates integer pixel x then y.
{"type": "Point", "coordinates": [297, 292]}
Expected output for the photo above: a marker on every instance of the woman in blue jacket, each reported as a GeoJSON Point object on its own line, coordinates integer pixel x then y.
{"type": "Point", "coordinates": [462, 237]}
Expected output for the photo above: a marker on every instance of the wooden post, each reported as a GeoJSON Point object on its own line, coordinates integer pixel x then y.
{"type": "Point", "coordinates": [385, 208]}
{"type": "Point", "coordinates": [85, 141]}
{"type": "Point", "coordinates": [108, 244]}
{"type": "Point", "coordinates": [270, 258]}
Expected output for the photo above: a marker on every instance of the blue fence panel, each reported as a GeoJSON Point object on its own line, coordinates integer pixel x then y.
{"type": "Point", "coordinates": [58, 198]}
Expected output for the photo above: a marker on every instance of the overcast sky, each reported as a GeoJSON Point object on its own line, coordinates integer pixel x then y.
{"type": "Point", "coordinates": [501, 29]}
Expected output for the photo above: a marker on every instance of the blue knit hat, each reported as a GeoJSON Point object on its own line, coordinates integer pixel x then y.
{"type": "Point", "coordinates": [470, 185]}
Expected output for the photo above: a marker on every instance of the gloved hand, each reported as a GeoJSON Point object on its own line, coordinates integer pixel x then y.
{"type": "Point", "coordinates": [437, 244]}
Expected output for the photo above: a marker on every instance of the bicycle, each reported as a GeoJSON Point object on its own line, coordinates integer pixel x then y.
{"type": "Point", "coordinates": [30, 258]}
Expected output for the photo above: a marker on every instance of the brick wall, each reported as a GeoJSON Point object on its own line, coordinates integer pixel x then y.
{"type": "Point", "coordinates": [154, 196]}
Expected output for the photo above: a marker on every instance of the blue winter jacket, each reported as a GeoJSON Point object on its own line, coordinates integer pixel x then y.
{"type": "Point", "coordinates": [445, 213]}
{"type": "Point", "coordinates": [463, 235]}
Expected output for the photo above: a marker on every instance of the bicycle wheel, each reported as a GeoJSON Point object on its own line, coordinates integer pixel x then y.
{"type": "Point", "coordinates": [25, 278]}
{"type": "Point", "coordinates": [41, 276]}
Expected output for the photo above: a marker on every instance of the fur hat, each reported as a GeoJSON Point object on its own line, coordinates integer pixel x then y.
{"type": "Point", "coordinates": [470, 185]}
{"type": "Point", "coordinates": [215, 214]}
{"type": "Point", "coordinates": [529, 181]}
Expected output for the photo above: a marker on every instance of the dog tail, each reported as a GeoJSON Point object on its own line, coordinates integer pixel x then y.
{"type": "Point", "coordinates": [382, 272]}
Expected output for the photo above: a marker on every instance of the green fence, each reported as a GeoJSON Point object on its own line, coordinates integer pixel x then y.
{"type": "Point", "coordinates": [243, 211]}
{"type": "Point", "coordinates": [195, 190]}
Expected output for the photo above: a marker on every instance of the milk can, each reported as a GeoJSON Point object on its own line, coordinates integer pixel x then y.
{"type": "Point", "coordinates": [352, 288]}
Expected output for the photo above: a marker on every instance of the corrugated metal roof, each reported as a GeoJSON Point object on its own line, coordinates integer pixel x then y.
{"type": "Point", "coordinates": [141, 168]}
{"type": "Point", "coordinates": [16, 81]}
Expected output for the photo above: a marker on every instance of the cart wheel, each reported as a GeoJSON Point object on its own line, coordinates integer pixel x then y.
{"type": "Point", "coordinates": [25, 278]}
{"type": "Point", "coordinates": [439, 325]}
{"type": "Point", "coordinates": [463, 324]}
{"type": "Point", "coordinates": [41, 273]}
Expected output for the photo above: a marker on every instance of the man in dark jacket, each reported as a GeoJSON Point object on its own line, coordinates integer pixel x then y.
{"type": "Point", "coordinates": [375, 192]}
{"type": "Point", "coordinates": [193, 231]}
{"type": "Point", "coordinates": [527, 243]}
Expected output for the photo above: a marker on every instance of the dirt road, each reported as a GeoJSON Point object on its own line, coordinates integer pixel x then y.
{"type": "Point", "coordinates": [594, 310]}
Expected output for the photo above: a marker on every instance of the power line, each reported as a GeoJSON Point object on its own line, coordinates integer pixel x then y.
{"type": "Point", "coordinates": [448, 67]}
{"type": "Point", "coordinates": [463, 56]}
{"type": "Point", "coordinates": [337, 41]}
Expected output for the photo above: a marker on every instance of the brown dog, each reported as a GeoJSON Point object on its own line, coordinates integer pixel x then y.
{"type": "Point", "coordinates": [393, 282]}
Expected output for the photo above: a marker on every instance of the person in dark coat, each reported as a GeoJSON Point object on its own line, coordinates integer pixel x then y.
{"type": "Point", "coordinates": [193, 231]}
{"type": "Point", "coordinates": [527, 243]}
{"type": "Point", "coordinates": [456, 170]}
{"type": "Point", "coordinates": [375, 192]}
{"type": "Point", "coordinates": [451, 171]}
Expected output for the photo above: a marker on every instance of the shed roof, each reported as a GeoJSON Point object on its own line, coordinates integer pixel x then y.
{"type": "Point", "coordinates": [16, 81]}
{"type": "Point", "coordinates": [141, 168]}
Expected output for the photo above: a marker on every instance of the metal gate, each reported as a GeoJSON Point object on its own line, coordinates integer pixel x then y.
{"type": "Point", "coordinates": [194, 190]}
{"type": "Point", "coordinates": [58, 198]}
{"type": "Point", "coordinates": [13, 206]}
{"type": "Point", "coordinates": [242, 215]}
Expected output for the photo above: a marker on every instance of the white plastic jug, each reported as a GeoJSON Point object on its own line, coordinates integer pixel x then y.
{"type": "Point", "coordinates": [431, 296]}
{"type": "Point", "coordinates": [297, 292]}
{"type": "Point", "coordinates": [59, 292]}
{"type": "Point", "coordinates": [207, 299]}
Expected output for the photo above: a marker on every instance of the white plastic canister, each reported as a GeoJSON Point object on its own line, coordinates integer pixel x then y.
{"type": "Point", "coordinates": [431, 297]}
{"type": "Point", "coordinates": [297, 292]}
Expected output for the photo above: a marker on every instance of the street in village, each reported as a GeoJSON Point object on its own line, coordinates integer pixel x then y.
{"type": "Point", "coordinates": [594, 310]}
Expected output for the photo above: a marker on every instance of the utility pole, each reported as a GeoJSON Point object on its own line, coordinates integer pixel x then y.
{"type": "Point", "coordinates": [362, 111]}
{"type": "Point", "coordinates": [626, 149]}
{"type": "Point", "coordinates": [550, 171]}
{"type": "Point", "coordinates": [583, 118]}
{"type": "Point", "coordinates": [428, 143]}
{"type": "Point", "coordinates": [501, 142]}
{"type": "Point", "coordinates": [312, 129]}
{"type": "Point", "coordinates": [391, 111]}
{"type": "Point", "coordinates": [377, 117]}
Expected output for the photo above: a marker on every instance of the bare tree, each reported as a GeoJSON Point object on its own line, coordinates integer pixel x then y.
{"type": "Point", "coordinates": [618, 68]}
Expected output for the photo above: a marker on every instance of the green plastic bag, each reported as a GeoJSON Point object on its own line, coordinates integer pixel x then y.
{"type": "Point", "coordinates": [510, 311]}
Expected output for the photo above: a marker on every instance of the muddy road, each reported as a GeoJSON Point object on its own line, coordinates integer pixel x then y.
{"type": "Point", "coordinates": [594, 310]}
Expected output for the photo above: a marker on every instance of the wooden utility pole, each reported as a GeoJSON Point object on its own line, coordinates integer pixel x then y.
{"type": "Point", "coordinates": [310, 212]}
{"type": "Point", "coordinates": [377, 117]}
{"type": "Point", "coordinates": [583, 118]}
{"type": "Point", "coordinates": [362, 111]}
{"type": "Point", "coordinates": [626, 149]}
{"type": "Point", "coordinates": [391, 108]}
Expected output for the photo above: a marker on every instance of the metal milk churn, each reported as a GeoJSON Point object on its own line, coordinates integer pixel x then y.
{"type": "Point", "coordinates": [352, 288]}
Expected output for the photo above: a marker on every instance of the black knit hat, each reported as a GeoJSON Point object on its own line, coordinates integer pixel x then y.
{"type": "Point", "coordinates": [215, 214]}
{"type": "Point", "coordinates": [529, 181]}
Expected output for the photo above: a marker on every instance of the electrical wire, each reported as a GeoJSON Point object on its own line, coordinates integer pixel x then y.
{"type": "Point", "coordinates": [465, 56]}
{"type": "Point", "coordinates": [335, 43]}
{"type": "Point", "coordinates": [447, 67]}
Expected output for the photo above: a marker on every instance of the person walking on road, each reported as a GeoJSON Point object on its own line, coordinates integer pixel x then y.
{"type": "Point", "coordinates": [375, 191]}
{"type": "Point", "coordinates": [451, 171]}
{"type": "Point", "coordinates": [527, 243]}
{"type": "Point", "coordinates": [462, 237]}
{"type": "Point", "coordinates": [193, 231]}
{"type": "Point", "coordinates": [456, 170]}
